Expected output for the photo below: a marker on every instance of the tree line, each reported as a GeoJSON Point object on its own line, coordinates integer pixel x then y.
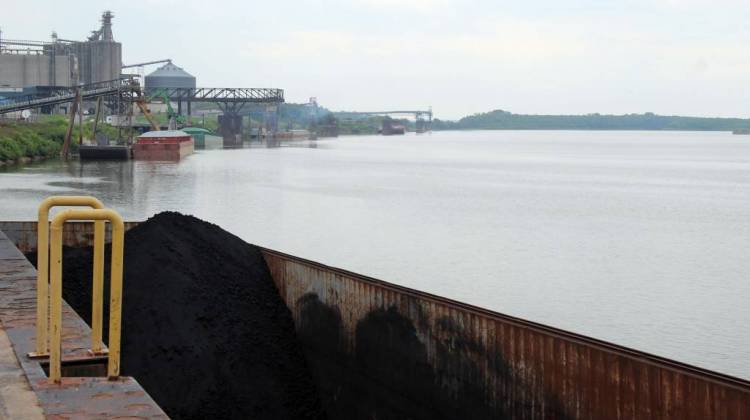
{"type": "Point", "coordinates": [504, 120]}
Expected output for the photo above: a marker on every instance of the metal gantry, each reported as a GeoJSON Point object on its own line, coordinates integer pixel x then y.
{"type": "Point", "coordinates": [225, 95]}
{"type": "Point", "coordinates": [128, 90]}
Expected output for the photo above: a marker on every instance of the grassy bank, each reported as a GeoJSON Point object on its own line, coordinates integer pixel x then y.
{"type": "Point", "coordinates": [41, 139]}
{"type": "Point", "coordinates": [29, 140]}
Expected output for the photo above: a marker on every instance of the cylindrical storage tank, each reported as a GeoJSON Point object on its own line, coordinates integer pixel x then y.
{"type": "Point", "coordinates": [82, 52]}
{"type": "Point", "coordinates": [169, 76]}
{"type": "Point", "coordinates": [106, 61]}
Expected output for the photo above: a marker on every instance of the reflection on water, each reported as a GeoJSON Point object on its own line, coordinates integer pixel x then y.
{"type": "Point", "coordinates": [632, 237]}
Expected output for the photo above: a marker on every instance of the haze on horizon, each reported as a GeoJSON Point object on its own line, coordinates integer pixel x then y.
{"type": "Point", "coordinates": [670, 57]}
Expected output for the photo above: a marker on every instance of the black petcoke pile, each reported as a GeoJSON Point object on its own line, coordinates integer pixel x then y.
{"type": "Point", "coordinates": [204, 330]}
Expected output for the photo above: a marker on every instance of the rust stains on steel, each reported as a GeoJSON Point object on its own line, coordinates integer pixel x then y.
{"type": "Point", "coordinates": [478, 363]}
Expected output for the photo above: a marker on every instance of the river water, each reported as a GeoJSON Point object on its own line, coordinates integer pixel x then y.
{"type": "Point", "coordinates": [638, 238]}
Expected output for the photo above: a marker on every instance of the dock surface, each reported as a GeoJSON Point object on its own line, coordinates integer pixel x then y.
{"type": "Point", "coordinates": [25, 392]}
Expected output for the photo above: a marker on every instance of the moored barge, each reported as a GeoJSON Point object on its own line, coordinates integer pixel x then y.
{"type": "Point", "coordinates": [171, 145]}
{"type": "Point", "coordinates": [379, 350]}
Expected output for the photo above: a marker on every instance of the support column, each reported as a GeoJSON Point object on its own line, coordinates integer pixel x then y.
{"type": "Point", "coordinates": [271, 120]}
{"type": "Point", "coordinates": [80, 119]}
{"type": "Point", "coordinates": [64, 152]}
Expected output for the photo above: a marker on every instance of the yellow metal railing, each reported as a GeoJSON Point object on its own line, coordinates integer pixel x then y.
{"type": "Point", "coordinates": [42, 267]}
{"type": "Point", "coordinates": [115, 300]}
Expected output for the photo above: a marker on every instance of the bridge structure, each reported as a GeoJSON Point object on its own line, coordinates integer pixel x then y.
{"type": "Point", "coordinates": [423, 118]}
{"type": "Point", "coordinates": [231, 101]}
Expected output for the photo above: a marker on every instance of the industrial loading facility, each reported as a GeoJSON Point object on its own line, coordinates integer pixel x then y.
{"type": "Point", "coordinates": [29, 65]}
{"type": "Point", "coordinates": [88, 77]}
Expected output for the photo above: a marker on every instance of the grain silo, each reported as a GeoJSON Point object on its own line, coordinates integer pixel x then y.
{"type": "Point", "coordinates": [169, 76]}
{"type": "Point", "coordinates": [25, 64]}
{"type": "Point", "coordinates": [100, 57]}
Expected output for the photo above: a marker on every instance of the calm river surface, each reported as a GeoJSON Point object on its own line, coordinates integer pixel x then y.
{"type": "Point", "coordinates": [638, 238]}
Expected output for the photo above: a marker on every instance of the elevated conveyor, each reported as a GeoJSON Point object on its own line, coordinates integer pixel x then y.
{"type": "Point", "coordinates": [126, 88]}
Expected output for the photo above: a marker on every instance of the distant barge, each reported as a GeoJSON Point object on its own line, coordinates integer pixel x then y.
{"type": "Point", "coordinates": [104, 152]}
{"type": "Point", "coordinates": [391, 128]}
{"type": "Point", "coordinates": [204, 139]}
{"type": "Point", "coordinates": [171, 145]}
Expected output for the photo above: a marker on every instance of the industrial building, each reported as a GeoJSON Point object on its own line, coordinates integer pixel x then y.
{"type": "Point", "coordinates": [25, 70]}
{"type": "Point", "coordinates": [39, 67]}
{"type": "Point", "coordinates": [25, 65]}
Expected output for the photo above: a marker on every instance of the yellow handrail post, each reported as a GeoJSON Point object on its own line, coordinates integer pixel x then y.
{"type": "Point", "coordinates": [42, 267]}
{"type": "Point", "coordinates": [115, 297]}
{"type": "Point", "coordinates": [55, 331]}
{"type": "Point", "coordinates": [97, 290]}
{"type": "Point", "coordinates": [118, 238]}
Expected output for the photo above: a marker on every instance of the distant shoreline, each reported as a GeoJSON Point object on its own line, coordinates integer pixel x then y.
{"type": "Point", "coordinates": [503, 120]}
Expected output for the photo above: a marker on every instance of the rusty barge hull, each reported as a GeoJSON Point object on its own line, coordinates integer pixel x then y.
{"type": "Point", "coordinates": [378, 350]}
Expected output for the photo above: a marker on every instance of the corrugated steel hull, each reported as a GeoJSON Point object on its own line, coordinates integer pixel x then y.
{"type": "Point", "coordinates": [383, 351]}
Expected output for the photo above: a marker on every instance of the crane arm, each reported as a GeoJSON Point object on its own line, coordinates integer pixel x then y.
{"type": "Point", "coordinates": [146, 113]}
{"type": "Point", "coordinates": [171, 113]}
{"type": "Point", "coordinates": [167, 60]}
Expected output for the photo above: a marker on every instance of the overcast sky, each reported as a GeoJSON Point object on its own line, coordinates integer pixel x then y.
{"type": "Point", "coordinates": [685, 57]}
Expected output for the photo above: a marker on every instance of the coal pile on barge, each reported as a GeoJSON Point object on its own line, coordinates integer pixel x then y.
{"type": "Point", "coordinates": [204, 329]}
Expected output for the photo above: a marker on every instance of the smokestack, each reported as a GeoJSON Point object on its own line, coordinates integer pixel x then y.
{"type": "Point", "coordinates": [106, 31]}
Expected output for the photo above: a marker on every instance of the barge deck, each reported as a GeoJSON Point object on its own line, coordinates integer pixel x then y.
{"type": "Point", "coordinates": [379, 350]}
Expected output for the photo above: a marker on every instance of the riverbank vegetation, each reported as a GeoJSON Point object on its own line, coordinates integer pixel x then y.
{"type": "Point", "coordinates": [21, 140]}
{"type": "Point", "coordinates": [503, 120]}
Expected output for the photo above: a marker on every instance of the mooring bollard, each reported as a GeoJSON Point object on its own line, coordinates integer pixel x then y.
{"type": "Point", "coordinates": [42, 276]}
{"type": "Point", "coordinates": [115, 301]}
